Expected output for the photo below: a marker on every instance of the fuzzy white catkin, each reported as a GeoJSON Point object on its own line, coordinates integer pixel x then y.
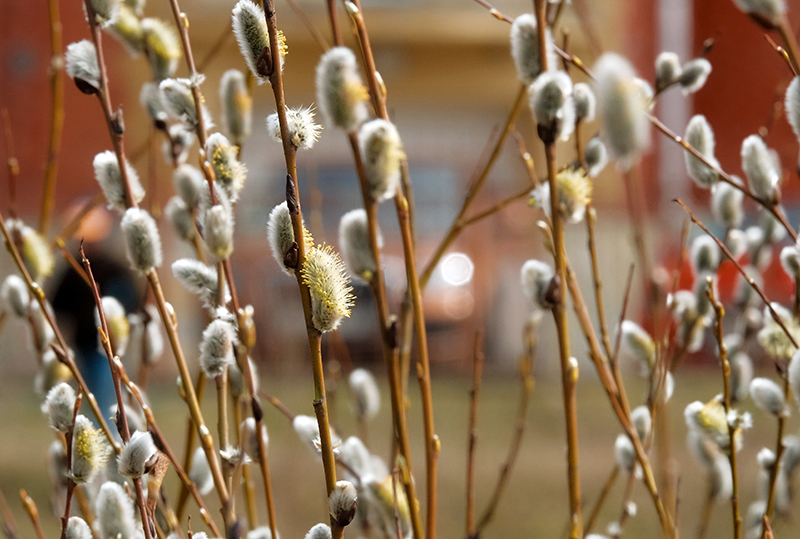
{"type": "Point", "coordinates": [229, 172]}
{"type": "Point", "coordinates": [700, 136]}
{"type": "Point", "coordinates": [366, 395]}
{"type": "Point", "coordinates": [15, 295]}
{"type": "Point", "coordinates": [382, 152]}
{"type": "Point", "coordinates": [307, 429]}
{"type": "Point", "coordinates": [596, 156]}
{"type": "Point", "coordinates": [35, 249]}
{"type": "Point", "coordinates": [132, 461]}
{"type": "Point", "coordinates": [250, 28]}
{"type": "Point", "coordinates": [525, 48]}
{"type": "Point", "coordinates": [704, 255]}
{"type": "Point", "coordinates": [768, 395]}
{"type": "Point", "coordinates": [621, 109]}
{"type": "Point", "coordinates": [280, 234]}
{"type": "Point", "coordinates": [198, 279]}
{"type": "Point", "coordinates": [328, 284]}
{"type": "Point", "coordinates": [340, 92]}
{"type": "Point", "coordinates": [319, 531]}
{"type": "Point", "coordinates": [216, 348]}
{"type": "Point", "coordinates": [108, 175]}
{"type": "Point", "coordinates": [189, 183]}
{"type": "Point", "coordinates": [117, 321]}
{"type": "Point", "coordinates": [790, 260]}
{"type": "Point", "coordinates": [636, 344]}
{"type": "Point", "coordinates": [770, 10]}
{"type": "Point", "coordinates": [640, 417]}
{"type": "Point", "coordinates": [668, 70]}
{"type": "Point", "coordinates": [624, 453]}
{"type": "Point", "coordinates": [726, 204]}
{"type": "Point", "coordinates": [78, 529]}
{"type": "Point", "coordinates": [150, 100]}
{"type": "Point", "coordinates": [218, 231]}
{"type": "Point", "coordinates": [552, 104]}
{"type": "Point", "coordinates": [585, 102]}
{"type": "Point", "coordinates": [114, 512]}
{"type": "Point", "coordinates": [60, 405]}
{"type": "Point", "coordinates": [262, 532]}
{"type": "Point", "coordinates": [181, 218]}
{"type": "Point", "coordinates": [536, 277]}
{"type": "Point", "coordinates": [303, 131]}
{"type": "Point", "coordinates": [178, 101]}
{"type": "Point", "coordinates": [163, 48]}
{"type": "Point", "coordinates": [794, 373]}
{"type": "Point", "coordinates": [792, 105]}
{"type": "Point", "coordinates": [142, 241]}
{"type": "Point", "coordinates": [741, 375]}
{"type": "Point", "coordinates": [126, 27]}
{"type": "Point", "coordinates": [200, 472]}
{"type": "Point", "coordinates": [757, 163]}
{"type": "Point", "coordinates": [694, 75]}
{"type": "Point", "coordinates": [89, 450]}
{"type": "Point", "coordinates": [81, 62]}
{"type": "Point", "coordinates": [237, 106]}
{"type": "Point", "coordinates": [355, 246]}
{"type": "Point", "coordinates": [342, 502]}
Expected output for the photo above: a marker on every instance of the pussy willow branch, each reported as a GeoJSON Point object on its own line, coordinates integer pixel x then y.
{"type": "Point", "coordinates": [775, 209]}
{"type": "Point", "coordinates": [741, 270]}
{"type": "Point", "coordinates": [166, 313]}
{"type": "Point", "coordinates": [472, 440]}
{"type": "Point", "coordinates": [122, 423]}
{"type": "Point", "coordinates": [719, 311]}
{"type": "Point", "coordinates": [164, 446]}
{"type": "Point", "coordinates": [33, 512]}
{"type": "Point", "coordinates": [239, 411]}
{"type": "Point", "coordinates": [613, 392]}
{"type": "Point", "coordinates": [293, 202]}
{"type": "Point", "coordinates": [63, 350]}
{"type": "Point", "coordinates": [414, 291]}
{"type": "Point", "coordinates": [56, 118]}
{"type": "Point", "coordinates": [560, 307]}
{"type": "Point", "coordinates": [113, 118]}
{"type": "Point", "coordinates": [789, 39]}
{"type": "Point", "coordinates": [182, 22]}
{"type": "Point", "coordinates": [527, 383]}
{"type": "Point", "coordinates": [388, 333]}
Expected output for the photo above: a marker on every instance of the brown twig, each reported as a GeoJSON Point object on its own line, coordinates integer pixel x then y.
{"type": "Point", "coordinates": [626, 500]}
{"type": "Point", "coordinates": [122, 417]}
{"type": "Point", "coordinates": [790, 41]}
{"type": "Point", "coordinates": [293, 201]}
{"type": "Point", "coordinates": [33, 512]}
{"type": "Point", "coordinates": [568, 370]}
{"type": "Point", "coordinates": [477, 363]}
{"type": "Point", "coordinates": [188, 452]}
{"type": "Point", "coordinates": [56, 118]}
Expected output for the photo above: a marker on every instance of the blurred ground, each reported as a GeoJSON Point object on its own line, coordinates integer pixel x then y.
{"type": "Point", "coordinates": [534, 505]}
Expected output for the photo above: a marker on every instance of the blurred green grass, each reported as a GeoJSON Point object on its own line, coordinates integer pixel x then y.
{"type": "Point", "coordinates": [536, 498]}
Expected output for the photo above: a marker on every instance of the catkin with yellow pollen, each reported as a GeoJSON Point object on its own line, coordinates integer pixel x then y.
{"type": "Point", "coordinates": [324, 274]}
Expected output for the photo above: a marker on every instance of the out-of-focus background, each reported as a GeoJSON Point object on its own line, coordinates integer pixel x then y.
{"type": "Point", "coordinates": [451, 83]}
